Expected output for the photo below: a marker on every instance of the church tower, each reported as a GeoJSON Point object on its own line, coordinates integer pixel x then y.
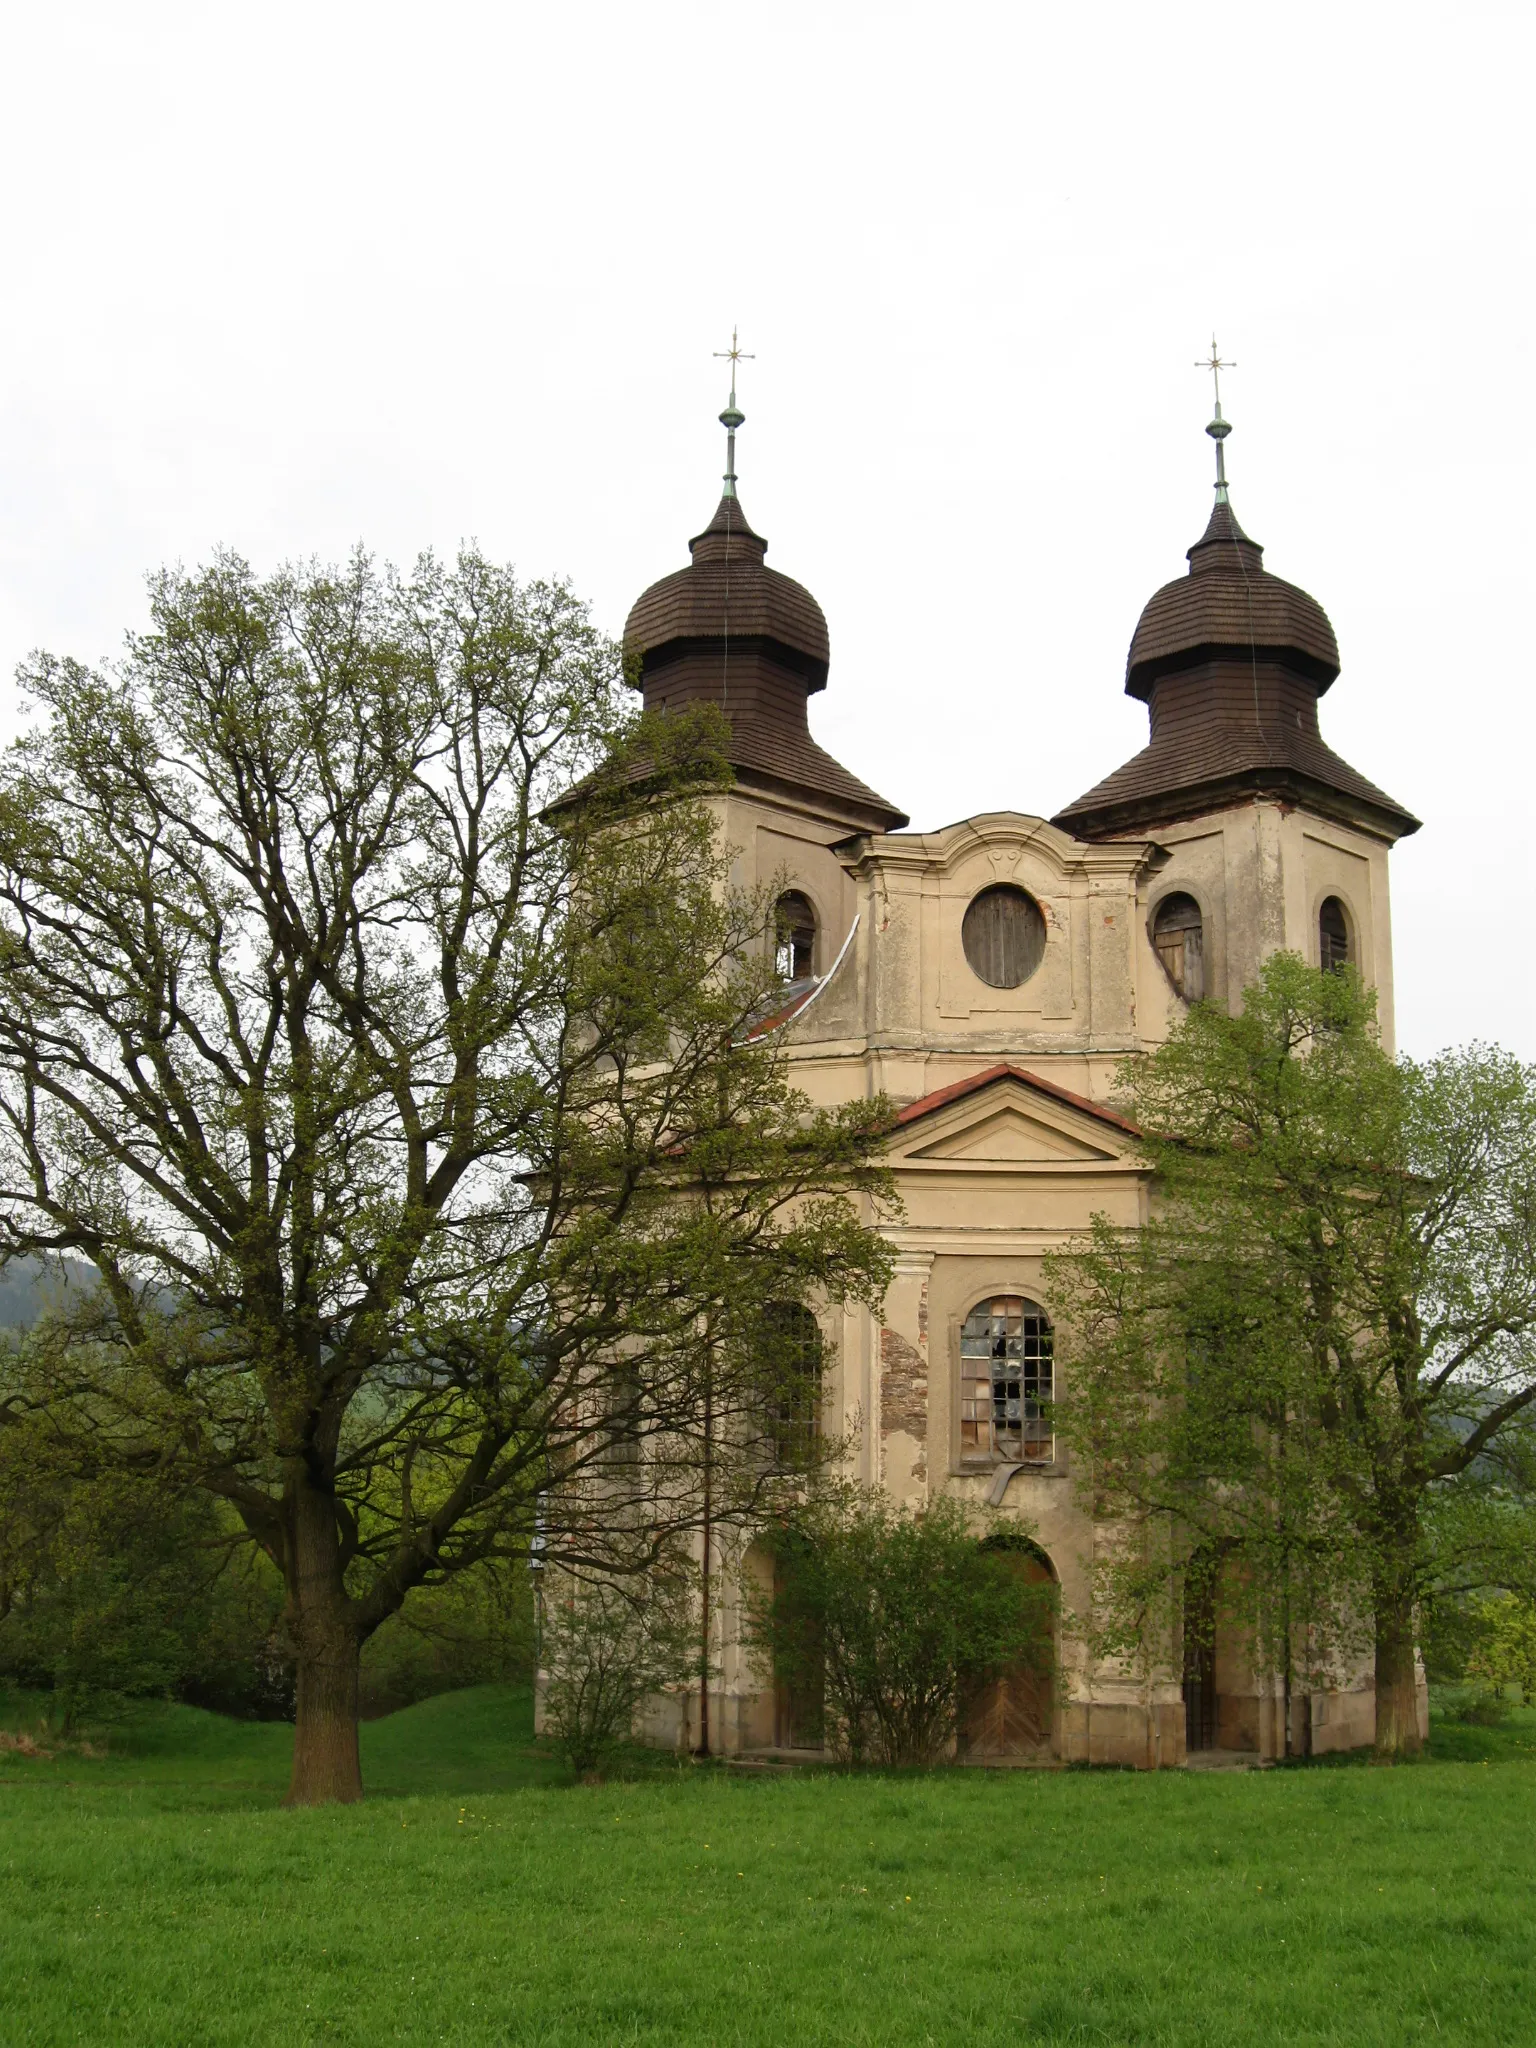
{"type": "Point", "coordinates": [1275, 843]}
{"type": "Point", "coordinates": [732, 632]}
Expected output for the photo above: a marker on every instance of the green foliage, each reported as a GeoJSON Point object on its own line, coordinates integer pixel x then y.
{"type": "Point", "coordinates": [139, 1592]}
{"type": "Point", "coordinates": [606, 1647]}
{"type": "Point", "coordinates": [1320, 1350]}
{"type": "Point", "coordinates": [377, 1022]}
{"type": "Point", "coordinates": [1504, 1652]}
{"type": "Point", "coordinates": [476, 1628]}
{"type": "Point", "coordinates": [1447, 1638]}
{"type": "Point", "coordinates": [897, 1619]}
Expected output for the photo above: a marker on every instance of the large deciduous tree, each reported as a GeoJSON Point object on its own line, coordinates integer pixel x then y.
{"type": "Point", "coordinates": [376, 1020]}
{"type": "Point", "coordinates": [1320, 1354]}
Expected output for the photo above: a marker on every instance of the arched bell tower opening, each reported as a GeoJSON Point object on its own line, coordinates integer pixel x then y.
{"type": "Point", "coordinates": [794, 937]}
{"type": "Point", "coordinates": [1335, 948]}
{"type": "Point", "coordinates": [1178, 934]}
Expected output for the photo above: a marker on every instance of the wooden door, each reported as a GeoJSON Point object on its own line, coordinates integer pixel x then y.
{"type": "Point", "coordinates": [799, 1702]}
{"type": "Point", "coordinates": [1012, 1717]}
{"type": "Point", "coordinates": [1200, 1714]}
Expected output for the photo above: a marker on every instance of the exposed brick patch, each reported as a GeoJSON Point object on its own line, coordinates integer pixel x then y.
{"type": "Point", "coordinates": [903, 1390]}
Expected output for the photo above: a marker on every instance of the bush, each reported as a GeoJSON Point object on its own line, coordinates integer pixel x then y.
{"type": "Point", "coordinates": [1449, 1637]}
{"type": "Point", "coordinates": [1505, 1652]}
{"type": "Point", "coordinates": [897, 1620]}
{"type": "Point", "coordinates": [117, 1587]}
{"type": "Point", "coordinates": [133, 1591]}
{"type": "Point", "coordinates": [606, 1647]}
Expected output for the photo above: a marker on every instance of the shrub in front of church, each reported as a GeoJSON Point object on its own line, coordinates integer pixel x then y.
{"type": "Point", "coordinates": [606, 1646]}
{"type": "Point", "coordinates": [894, 1621]}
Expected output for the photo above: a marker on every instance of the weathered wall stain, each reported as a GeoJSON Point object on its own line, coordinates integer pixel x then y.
{"type": "Point", "coordinates": [904, 1394]}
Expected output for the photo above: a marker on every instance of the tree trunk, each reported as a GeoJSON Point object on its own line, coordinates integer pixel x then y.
{"type": "Point", "coordinates": [326, 1766]}
{"type": "Point", "coordinates": [1397, 1697]}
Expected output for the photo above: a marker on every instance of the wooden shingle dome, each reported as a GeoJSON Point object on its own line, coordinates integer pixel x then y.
{"type": "Point", "coordinates": [729, 630]}
{"type": "Point", "coordinates": [1229, 604]}
{"type": "Point", "coordinates": [728, 593]}
{"type": "Point", "coordinates": [1230, 662]}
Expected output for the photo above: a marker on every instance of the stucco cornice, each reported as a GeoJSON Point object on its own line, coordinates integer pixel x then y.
{"type": "Point", "coordinates": [940, 852]}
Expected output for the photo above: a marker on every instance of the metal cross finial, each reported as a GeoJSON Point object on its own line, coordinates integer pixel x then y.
{"type": "Point", "coordinates": [733, 355]}
{"type": "Point", "coordinates": [1215, 365]}
{"type": "Point", "coordinates": [1219, 428]}
{"type": "Point", "coordinates": [733, 416]}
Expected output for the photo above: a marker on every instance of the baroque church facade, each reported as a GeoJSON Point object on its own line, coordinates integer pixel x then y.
{"type": "Point", "coordinates": [990, 978]}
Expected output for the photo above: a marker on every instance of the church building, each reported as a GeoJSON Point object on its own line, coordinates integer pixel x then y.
{"type": "Point", "coordinates": [990, 977]}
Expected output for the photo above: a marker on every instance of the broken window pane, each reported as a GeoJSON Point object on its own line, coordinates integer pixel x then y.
{"type": "Point", "coordinates": [1005, 1381]}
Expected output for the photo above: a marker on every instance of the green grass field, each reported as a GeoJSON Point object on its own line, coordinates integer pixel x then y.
{"type": "Point", "coordinates": [159, 1895]}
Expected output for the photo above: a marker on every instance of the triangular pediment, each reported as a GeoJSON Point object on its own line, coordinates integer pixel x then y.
{"type": "Point", "coordinates": [1007, 1133]}
{"type": "Point", "coordinates": [1007, 1118]}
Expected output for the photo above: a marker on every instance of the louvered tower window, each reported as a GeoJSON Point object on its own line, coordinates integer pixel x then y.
{"type": "Point", "coordinates": [1333, 948]}
{"type": "Point", "coordinates": [1179, 936]}
{"type": "Point", "coordinates": [794, 926]}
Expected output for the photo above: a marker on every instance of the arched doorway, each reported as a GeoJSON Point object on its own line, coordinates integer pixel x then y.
{"type": "Point", "coordinates": [1012, 1718]}
{"type": "Point", "coordinates": [798, 1697]}
{"type": "Point", "coordinates": [1201, 1716]}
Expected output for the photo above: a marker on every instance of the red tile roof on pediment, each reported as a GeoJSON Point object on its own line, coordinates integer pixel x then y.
{"type": "Point", "coordinates": [1004, 1071]}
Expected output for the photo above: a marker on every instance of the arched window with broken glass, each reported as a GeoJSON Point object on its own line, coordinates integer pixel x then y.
{"type": "Point", "coordinates": [1006, 1367]}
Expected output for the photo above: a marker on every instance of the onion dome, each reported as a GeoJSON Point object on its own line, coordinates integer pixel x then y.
{"type": "Point", "coordinates": [1229, 605]}
{"type": "Point", "coordinates": [1230, 662]}
{"type": "Point", "coordinates": [729, 599]}
{"type": "Point", "coordinates": [728, 630]}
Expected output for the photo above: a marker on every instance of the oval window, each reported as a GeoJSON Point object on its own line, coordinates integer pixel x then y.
{"type": "Point", "coordinates": [1003, 935]}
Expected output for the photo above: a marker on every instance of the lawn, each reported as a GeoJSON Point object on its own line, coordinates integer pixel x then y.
{"type": "Point", "coordinates": [159, 1895]}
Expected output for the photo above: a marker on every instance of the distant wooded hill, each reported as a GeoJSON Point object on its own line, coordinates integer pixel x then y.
{"type": "Point", "coordinates": [30, 1286]}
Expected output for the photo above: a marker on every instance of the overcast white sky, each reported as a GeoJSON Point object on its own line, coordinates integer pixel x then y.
{"type": "Point", "coordinates": [289, 276]}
